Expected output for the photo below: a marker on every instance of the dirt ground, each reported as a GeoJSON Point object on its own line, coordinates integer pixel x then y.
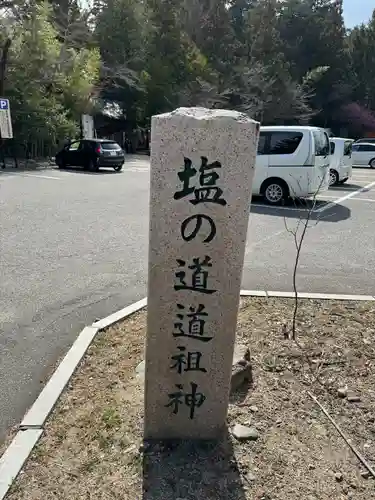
{"type": "Point", "coordinates": [92, 447]}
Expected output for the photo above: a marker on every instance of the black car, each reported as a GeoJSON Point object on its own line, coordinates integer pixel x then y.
{"type": "Point", "coordinates": [91, 154]}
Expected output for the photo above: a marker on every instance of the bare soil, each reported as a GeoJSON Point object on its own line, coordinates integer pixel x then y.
{"type": "Point", "coordinates": [92, 447]}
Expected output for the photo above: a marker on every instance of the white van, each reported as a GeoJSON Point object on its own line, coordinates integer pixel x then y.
{"type": "Point", "coordinates": [292, 161]}
{"type": "Point", "coordinates": [340, 168]}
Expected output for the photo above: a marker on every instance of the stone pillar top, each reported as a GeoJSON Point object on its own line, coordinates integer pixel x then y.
{"type": "Point", "coordinates": [208, 114]}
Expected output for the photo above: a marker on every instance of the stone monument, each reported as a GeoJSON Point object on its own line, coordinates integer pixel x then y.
{"type": "Point", "coordinates": [202, 166]}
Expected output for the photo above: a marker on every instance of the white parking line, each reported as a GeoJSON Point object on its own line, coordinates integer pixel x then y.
{"type": "Point", "coordinates": [322, 198]}
{"type": "Point", "coordinates": [362, 199]}
{"type": "Point", "coordinates": [346, 197]}
{"type": "Point", "coordinates": [339, 188]}
{"type": "Point", "coordinates": [136, 169]}
{"type": "Point", "coordinates": [13, 174]}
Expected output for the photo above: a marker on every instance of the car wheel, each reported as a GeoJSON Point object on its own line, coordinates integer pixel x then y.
{"type": "Point", "coordinates": [275, 192]}
{"type": "Point", "coordinates": [118, 168]}
{"type": "Point", "coordinates": [372, 163]}
{"type": "Point", "coordinates": [60, 163]}
{"type": "Point", "coordinates": [333, 177]}
{"type": "Point", "coordinates": [92, 166]}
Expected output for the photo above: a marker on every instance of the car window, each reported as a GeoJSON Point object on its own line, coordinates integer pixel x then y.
{"type": "Point", "coordinates": [110, 145]}
{"type": "Point", "coordinates": [355, 147]}
{"type": "Point", "coordinates": [74, 146]}
{"type": "Point", "coordinates": [348, 148]}
{"type": "Point", "coordinates": [365, 140]}
{"type": "Point", "coordinates": [333, 146]}
{"type": "Point", "coordinates": [363, 148]}
{"type": "Point", "coordinates": [262, 143]}
{"type": "Point", "coordinates": [322, 147]}
{"type": "Point", "coordinates": [284, 143]}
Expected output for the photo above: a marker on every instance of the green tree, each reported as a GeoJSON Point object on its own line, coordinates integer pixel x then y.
{"type": "Point", "coordinates": [313, 37]}
{"type": "Point", "coordinates": [262, 79]}
{"type": "Point", "coordinates": [174, 63]}
{"type": "Point", "coordinates": [48, 93]}
{"type": "Point", "coordinates": [361, 49]}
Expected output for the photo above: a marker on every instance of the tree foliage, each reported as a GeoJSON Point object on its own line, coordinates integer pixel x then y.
{"type": "Point", "coordinates": [48, 81]}
{"type": "Point", "coordinates": [281, 62]}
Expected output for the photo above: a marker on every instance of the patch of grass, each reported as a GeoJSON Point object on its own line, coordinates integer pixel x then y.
{"type": "Point", "coordinates": [111, 418]}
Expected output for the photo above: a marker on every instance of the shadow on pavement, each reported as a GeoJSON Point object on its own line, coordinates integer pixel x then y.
{"type": "Point", "coordinates": [27, 166]}
{"type": "Point", "coordinates": [348, 187]}
{"type": "Point", "coordinates": [328, 213]}
{"type": "Point", "coordinates": [80, 170]}
{"type": "Point", "coordinates": [191, 470]}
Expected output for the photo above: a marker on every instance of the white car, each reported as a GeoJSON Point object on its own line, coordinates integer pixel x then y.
{"type": "Point", "coordinates": [292, 162]}
{"type": "Point", "coordinates": [363, 154]}
{"type": "Point", "coordinates": [340, 167]}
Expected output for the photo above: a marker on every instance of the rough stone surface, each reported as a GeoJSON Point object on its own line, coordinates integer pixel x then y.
{"type": "Point", "coordinates": [241, 353]}
{"type": "Point", "coordinates": [342, 392]}
{"type": "Point", "coordinates": [140, 370]}
{"type": "Point", "coordinates": [250, 476]}
{"type": "Point", "coordinates": [187, 140]}
{"type": "Point", "coordinates": [353, 398]}
{"type": "Point", "coordinates": [241, 373]}
{"type": "Point", "coordinates": [242, 433]}
{"type": "Point", "coordinates": [241, 367]}
{"type": "Point", "coordinates": [339, 477]}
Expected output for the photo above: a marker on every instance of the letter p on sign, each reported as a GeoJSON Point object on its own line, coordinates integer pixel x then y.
{"type": "Point", "coordinates": [4, 104]}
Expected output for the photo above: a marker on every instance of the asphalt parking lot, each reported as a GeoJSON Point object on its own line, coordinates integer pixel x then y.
{"type": "Point", "coordinates": [74, 248]}
{"type": "Point", "coordinates": [337, 254]}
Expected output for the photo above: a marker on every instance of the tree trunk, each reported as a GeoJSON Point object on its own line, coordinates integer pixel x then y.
{"type": "Point", "coordinates": [3, 64]}
{"type": "Point", "coordinates": [3, 67]}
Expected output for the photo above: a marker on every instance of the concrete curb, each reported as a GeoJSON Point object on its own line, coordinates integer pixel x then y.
{"type": "Point", "coordinates": [317, 296]}
{"type": "Point", "coordinates": [37, 415]}
{"type": "Point", "coordinates": [253, 293]}
{"type": "Point", "coordinates": [31, 427]}
{"type": "Point", "coordinates": [119, 315]}
{"type": "Point", "coordinates": [15, 456]}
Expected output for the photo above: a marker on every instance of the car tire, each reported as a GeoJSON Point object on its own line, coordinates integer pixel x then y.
{"type": "Point", "coordinates": [275, 192]}
{"type": "Point", "coordinates": [92, 166]}
{"type": "Point", "coordinates": [60, 163]}
{"type": "Point", "coordinates": [118, 168]}
{"type": "Point", "coordinates": [372, 163]}
{"type": "Point", "coordinates": [333, 178]}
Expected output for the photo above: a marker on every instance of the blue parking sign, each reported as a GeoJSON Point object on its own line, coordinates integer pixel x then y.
{"type": "Point", "coordinates": [4, 104]}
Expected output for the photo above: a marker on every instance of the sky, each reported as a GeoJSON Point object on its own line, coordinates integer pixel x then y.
{"type": "Point", "coordinates": [357, 11]}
